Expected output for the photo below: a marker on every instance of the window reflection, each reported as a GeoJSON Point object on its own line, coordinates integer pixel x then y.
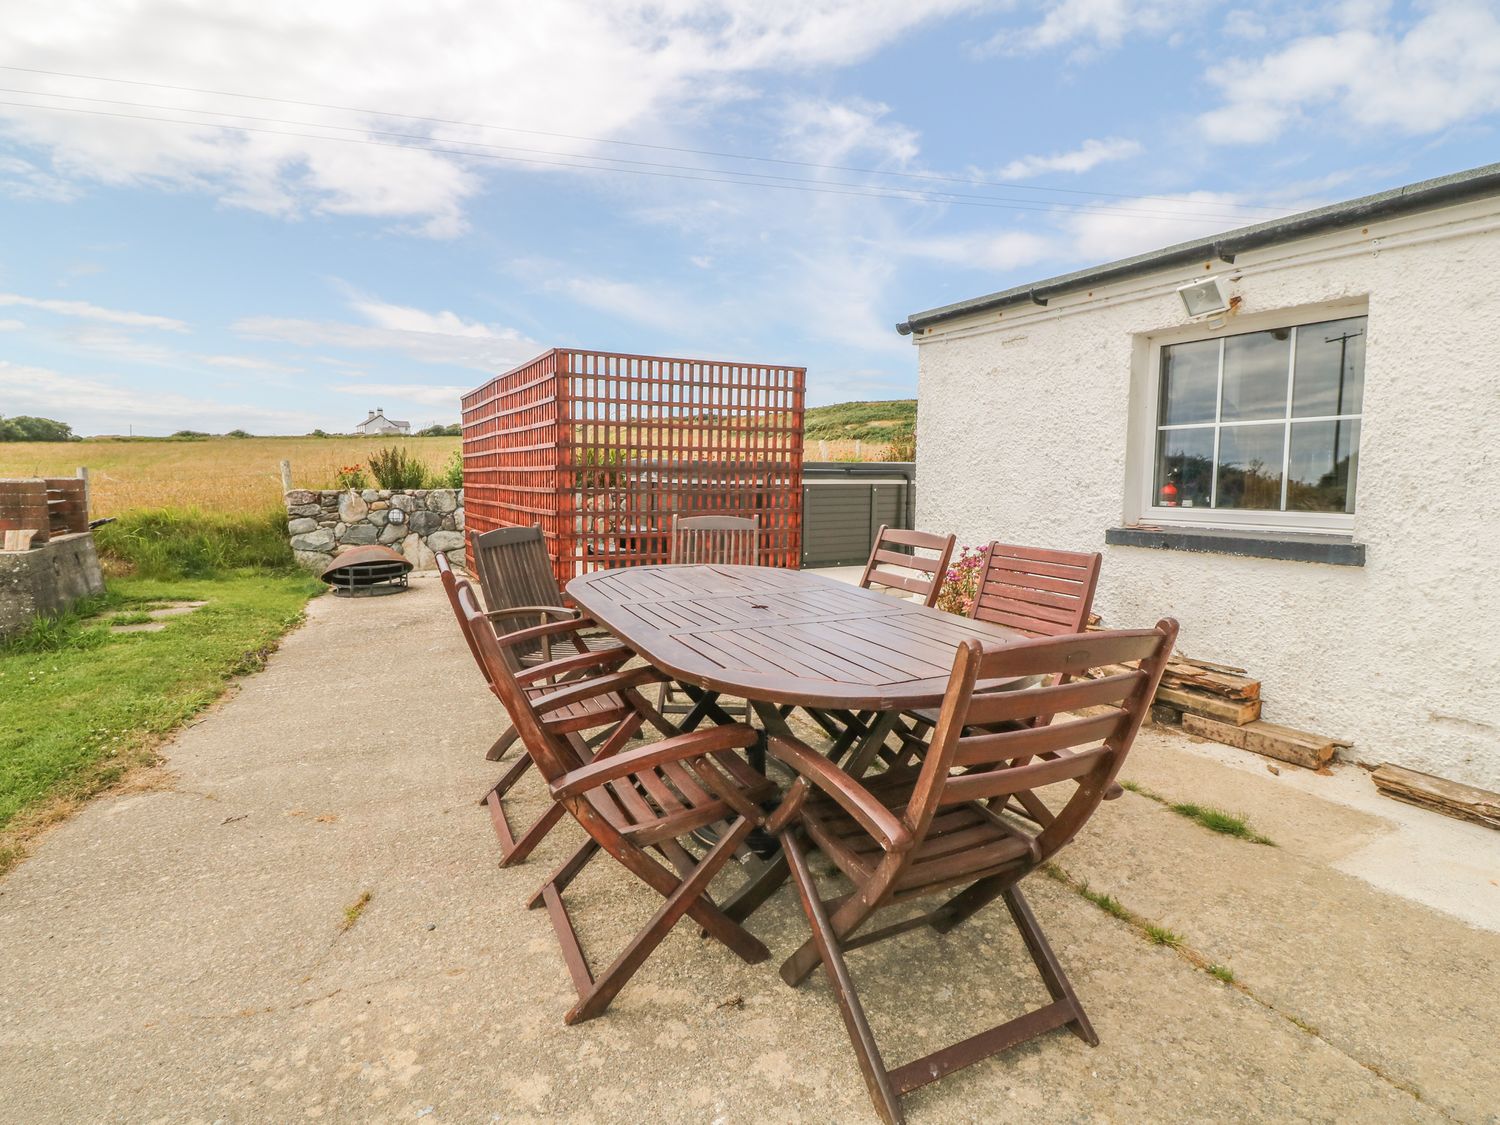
{"type": "Point", "coordinates": [1250, 467]}
{"type": "Point", "coordinates": [1322, 468]}
{"type": "Point", "coordinates": [1330, 376]}
{"type": "Point", "coordinates": [1189, 382]}
{"type": "Point", "coordinates": [1255, 367]}
{"type": "Point", "coordinates": [1184, 468]}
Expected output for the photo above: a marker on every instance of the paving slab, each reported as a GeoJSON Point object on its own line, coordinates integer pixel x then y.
{"type": "Point", "coordinates": [179, 953]}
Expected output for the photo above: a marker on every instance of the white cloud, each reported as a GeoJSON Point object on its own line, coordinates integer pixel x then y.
{"type": "Point", "coordinates": [829, 132]}
{"type": "Point", "coordinates": [1095, 24]}
{"type": "Point", "coordinates": [1441, 70]}
{"type": "Point", "coordinates": [640, 304]}
{"type": "Point", "coordinates": [1090, 154]}
{"type": "Point", "coordinates": [416, 393]}
{"type": "Point", "coordinates": [106, 405]}
{"type": "Point", "coordinates": [11, 325]}
{"type": "Point", "coordinates": [1005, 250]}
{"type": "Point", "coordinates": [83, 310]}
{"type": "Point", "coordinates": [431, 337]}
{"type": "Point", "coordinates": [1120, 229]}
{"type": "Point", "coordinates": [621, 70]}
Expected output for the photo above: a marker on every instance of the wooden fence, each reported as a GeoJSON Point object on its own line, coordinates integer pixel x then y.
{"type": "Point", "coordinates": [601, 449]}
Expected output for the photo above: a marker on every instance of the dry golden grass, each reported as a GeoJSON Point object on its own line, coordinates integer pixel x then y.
{"type": "Point", "coordinates": [213, 474]}
{"type": "Point", "coordinates": [243, 474]}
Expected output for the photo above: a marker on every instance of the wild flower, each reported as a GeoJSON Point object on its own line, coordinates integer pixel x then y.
{"type": "Point", "coordinates": [961, 581]}
{"type": "Point", "coordinates": [351, 476]}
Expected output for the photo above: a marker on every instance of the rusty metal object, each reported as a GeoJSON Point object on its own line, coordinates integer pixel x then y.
{"type": "Point", "coordinates": [371, 569]}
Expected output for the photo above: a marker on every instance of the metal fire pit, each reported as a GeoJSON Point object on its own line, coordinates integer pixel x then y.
{"type": "Point", "coordinates": [370, 571]}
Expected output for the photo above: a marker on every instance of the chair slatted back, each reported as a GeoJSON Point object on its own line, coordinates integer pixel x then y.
{"type": "Point", "coordinates": [905, 570]}
{"type": "Point", "coordinates": [551, 753]}
{"type": "Point", "coordinates": [514, 571]}
{"type": "Point", "coordinates": [716, 540]}
{"type": "Point", "coordinates": [1038, 592]}
{"type": "Point", "coordinates": [1087, 749]}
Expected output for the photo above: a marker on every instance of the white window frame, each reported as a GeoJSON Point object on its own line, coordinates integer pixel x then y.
{"type": "Point", "coordinates": [1144, 508]}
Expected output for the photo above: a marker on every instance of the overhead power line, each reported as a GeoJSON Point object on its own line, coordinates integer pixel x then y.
{"type": "Point", "coordinates": [578, 160]}
{"type": "Point", "coordinates": [918, 176]}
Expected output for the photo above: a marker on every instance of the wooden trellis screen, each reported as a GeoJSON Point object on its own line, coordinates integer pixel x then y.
{"type": "Point", "coordinates": [601, 450]}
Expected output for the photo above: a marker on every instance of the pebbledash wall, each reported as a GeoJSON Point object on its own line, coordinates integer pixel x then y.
{"type": "Point", "coordinates": [321, 522]}
{"type": "Point", "coordinates": [1032, 419]}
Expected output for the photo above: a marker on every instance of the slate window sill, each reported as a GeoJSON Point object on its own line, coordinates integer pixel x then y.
{"type": "Point", "coordinates": [1334, 550]}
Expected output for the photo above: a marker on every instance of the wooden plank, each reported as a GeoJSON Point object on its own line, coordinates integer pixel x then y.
{"type": "Point", "coordinates": [1299, 747]}
{"type": "Point", "coordinates": [1191, 674]}
{"type": "Point", "coordinates": [1451, 798]}
{"type": "Point", "coordinates": [19, 540]}
{"type": "Point", "coordinates": [1238, 712]}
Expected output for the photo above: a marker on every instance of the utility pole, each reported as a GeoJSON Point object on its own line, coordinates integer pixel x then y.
{"type": "Point", "coordinates": [1343, 343]}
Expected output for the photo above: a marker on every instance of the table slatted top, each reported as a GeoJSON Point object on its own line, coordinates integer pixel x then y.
{"type": "Point", "coordinates": [784, 636]}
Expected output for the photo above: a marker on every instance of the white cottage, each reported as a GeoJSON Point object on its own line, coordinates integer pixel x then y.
{"type": "Point", "coordinates": [1285, 436]}
{"type": "Point", "coordinates": [378, 423]}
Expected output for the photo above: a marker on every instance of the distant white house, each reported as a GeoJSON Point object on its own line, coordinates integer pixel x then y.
{"type": "Point", "coordinates": [378, 423]}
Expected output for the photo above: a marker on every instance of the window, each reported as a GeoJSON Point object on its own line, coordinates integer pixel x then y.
{"type": "Point", "coordinates": [1260, 423]}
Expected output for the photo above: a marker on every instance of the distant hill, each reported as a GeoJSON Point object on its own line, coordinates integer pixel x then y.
{"type": "Point", "coordinates": [860, 421]}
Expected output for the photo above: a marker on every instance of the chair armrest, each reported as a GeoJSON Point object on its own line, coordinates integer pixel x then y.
{"type": "Point", "coordinates": [855, 799]}
{"type": "Point", "coordinates": [565, 665]}
{"type": "Point", "coordinates": [533, 611]}
{"type": "Point", "coordinates": [570, 692]}
{"type": "Point", "coordinates": [540, 632]}
{"type": "Point", "coordinates": [695, 745]}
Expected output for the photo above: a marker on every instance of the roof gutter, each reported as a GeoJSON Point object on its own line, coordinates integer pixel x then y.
{"type": "Point", "coordinates": [1428, 194]}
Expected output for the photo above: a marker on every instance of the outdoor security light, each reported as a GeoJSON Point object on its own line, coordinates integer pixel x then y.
{"type": "Point", "coordinates": [1203, 298]}
{"type": "Point", "coordinates": [397, 516]}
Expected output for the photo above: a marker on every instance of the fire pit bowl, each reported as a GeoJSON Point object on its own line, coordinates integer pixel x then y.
{"type": "Point", "coordinates": [369, 571]}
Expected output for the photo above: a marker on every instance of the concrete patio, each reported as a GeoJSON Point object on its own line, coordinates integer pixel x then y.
{"type": "Point", "coordinates": [178, 951]}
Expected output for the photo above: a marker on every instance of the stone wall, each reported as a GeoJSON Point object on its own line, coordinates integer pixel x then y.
{"type": "Point", "coordinates": [324, 522]}
{"type": "Point", "coordinates": [47, 580]}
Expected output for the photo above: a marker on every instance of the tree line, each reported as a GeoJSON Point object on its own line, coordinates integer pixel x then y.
{"type": "Point", "coordinates": [23, 427]}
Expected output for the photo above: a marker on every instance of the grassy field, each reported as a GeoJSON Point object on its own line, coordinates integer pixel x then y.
{"type": "Point", "coordinates": [81, 707]}
{"type": "Point", "coordinates": [242, 475]}
{"type": "Point", "coordinates": [229, 475]}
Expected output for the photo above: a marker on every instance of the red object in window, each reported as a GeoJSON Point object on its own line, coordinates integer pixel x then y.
{"type": "Point", "coordinates": [1169, 495]}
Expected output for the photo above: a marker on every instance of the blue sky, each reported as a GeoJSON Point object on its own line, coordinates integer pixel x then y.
{"type": "Point", "coordinates": [166, 265]}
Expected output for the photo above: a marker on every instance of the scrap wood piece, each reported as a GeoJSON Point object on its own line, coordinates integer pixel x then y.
{"type": "Point", "coordinates": [1451, 798]}
{"type": "Point", "coordinates": [1285, 744]}
{"type": "Point", "coordinates": [1191, 702]}
{"type": "Point", "coordinates": [19, 540]}
{"type": "Point", "coordinates": [1210, 678]}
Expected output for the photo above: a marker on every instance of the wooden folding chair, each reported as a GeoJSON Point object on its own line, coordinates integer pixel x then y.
{"type": "Point", "coordinates": [520, 589]}
{"type": "Point", "coordinates": [633, 802]}
{"type": "Point", "coordinates": [607, 710]}
{"type": "Point", "coordinates": [895, 566]}
{"type": "Point", "coordinates": [969, 818]}
{"type": "Point", "coordinates": [716, 541]}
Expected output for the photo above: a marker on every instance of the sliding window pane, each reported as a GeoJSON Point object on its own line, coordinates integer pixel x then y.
{"type": "Point", "coordinates": [1189, 382]}
{"type": "Point", "coordinates": [1250, 467]}
{"type": "Point", "coordinates": [1255, 375]}
{"type": "Point", "coordinates": [1330, 368]}
{"type": "Point", "coordinates": [1323, 466]}
{"type": "Point", "coordinates": [1184, 467]}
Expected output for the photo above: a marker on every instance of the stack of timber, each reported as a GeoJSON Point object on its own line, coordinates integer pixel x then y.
{"type": "Point", "coordinates": [1463, 802]}
{"type": "Point", "coordinates": [1222, 703]}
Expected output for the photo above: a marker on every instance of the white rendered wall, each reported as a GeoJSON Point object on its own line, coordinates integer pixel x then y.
{"type": "Point", "coordinates": [1023, 428]}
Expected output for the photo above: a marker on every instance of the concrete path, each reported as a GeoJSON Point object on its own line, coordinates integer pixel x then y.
{"type": "Point", "coordinates": [177, 952]}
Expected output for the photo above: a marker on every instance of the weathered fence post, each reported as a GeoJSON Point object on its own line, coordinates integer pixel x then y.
{"type": "Point", "coordinates": [822, 451]}
{"type": "Point", "coordinates": [858, 450]}
{"type": "Point", "coordinates": [286, 476]}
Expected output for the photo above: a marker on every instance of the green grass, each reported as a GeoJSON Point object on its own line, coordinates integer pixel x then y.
{"type": "Point", "coordinates": [355, 909]}
{"type": "Point", "coordinates": [1107, 903]}
{"type": "Point", "coordinates": [1221, 972]}
{"type": "Point", "coordinates": [187, 543]}
{"type": "Point", "coordinates": [860, 421]}
{"type": "Point", "coordinates": [1160, 935]}
{"type": "Point", "coordinates": [1215, 820]}
{"type": "Point", "coordinates": [79, 706]}
{"type": "Point", "coordinates": [134, 617]}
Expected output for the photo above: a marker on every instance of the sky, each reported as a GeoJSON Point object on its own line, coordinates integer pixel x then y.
{"type": "Point", "coordinates": [278, 216]}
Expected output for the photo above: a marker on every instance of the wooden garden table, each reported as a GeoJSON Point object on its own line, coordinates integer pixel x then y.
{"type": "Point", "coordinates": [784, 638]}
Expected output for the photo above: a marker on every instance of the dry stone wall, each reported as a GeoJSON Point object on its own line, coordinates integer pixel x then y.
{"type": "Point", "coordinates": [324, 522]}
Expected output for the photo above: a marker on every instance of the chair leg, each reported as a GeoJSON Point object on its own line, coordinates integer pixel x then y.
{"type": "Point", "coordinates": [533, 836]}
{"type": "Point", "coordinates": [1047, 964]}
{"type": "Point", "coordinates": [679, 903]}
{"type": "Point", "coordinates": [747, 900]}
{"type": "Point", "coordinates": [507, 779]}
{"type": "Point", "coordinates": [871, 1065]}
{"type": "Point", "coordinates": [501, 745]}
